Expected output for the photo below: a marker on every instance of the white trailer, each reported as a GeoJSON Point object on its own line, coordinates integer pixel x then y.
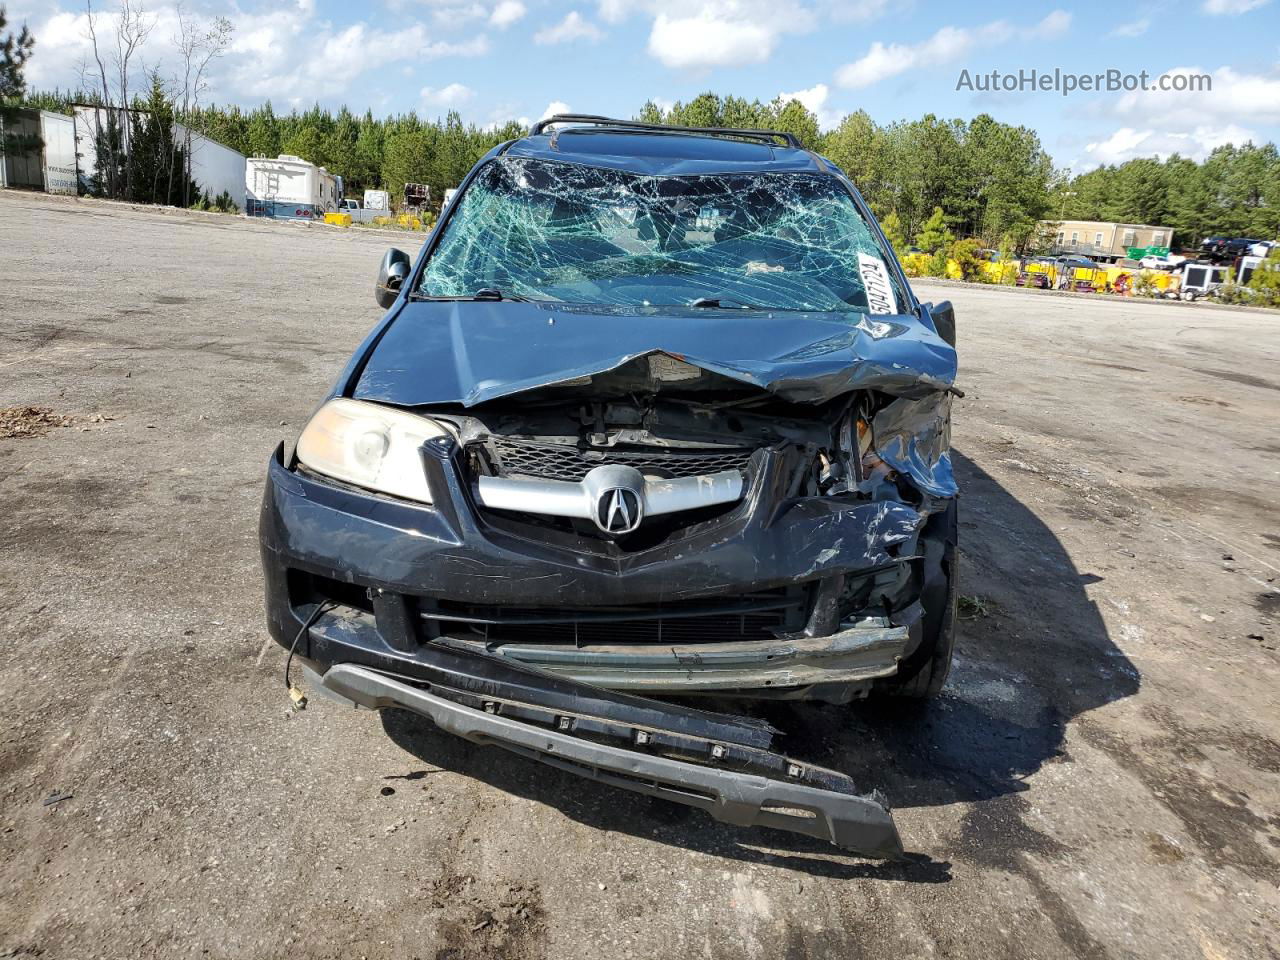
{"type": "Point", "coordinates": [52, 165]}
{"type": "Point", "coordinates": [289, 187]}
{"type": "Point", "coordinates": [215, 167]}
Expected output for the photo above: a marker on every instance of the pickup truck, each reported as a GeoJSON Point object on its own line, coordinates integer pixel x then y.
{"type": "Point", "coordinates": [358, 213]}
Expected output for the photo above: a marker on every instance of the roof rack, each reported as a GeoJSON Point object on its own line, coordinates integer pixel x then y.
{"type": "Point", "coordinates": [766, 136]}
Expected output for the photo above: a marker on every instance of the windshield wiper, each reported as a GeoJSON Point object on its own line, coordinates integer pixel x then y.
{"type": "Point", "coordinates": [724, 303]}
{"type": "Point", "coordinates": [493, 293]}
{"type": "Point", "coordinates": [489, 294]}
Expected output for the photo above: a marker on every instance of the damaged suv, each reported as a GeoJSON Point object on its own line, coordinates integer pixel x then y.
{"type": "Point", "coordinates": [654, 414]}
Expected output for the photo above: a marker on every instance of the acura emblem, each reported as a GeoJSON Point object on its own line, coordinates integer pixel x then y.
{"type": "Point", "coordinates": [618, 510]}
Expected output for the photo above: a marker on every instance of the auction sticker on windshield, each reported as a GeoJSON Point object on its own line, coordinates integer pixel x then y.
{"type": "Point", "coordinates": [875, 280]}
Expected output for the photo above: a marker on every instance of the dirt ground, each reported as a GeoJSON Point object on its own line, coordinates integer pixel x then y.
{"type": "Point", "coordinates": [1102, 778]}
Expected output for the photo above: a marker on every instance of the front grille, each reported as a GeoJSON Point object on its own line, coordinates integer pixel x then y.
{"type": "Point", "coordinates": [761, 616]}
{"type": "Point", "coordinates": [512, 456]}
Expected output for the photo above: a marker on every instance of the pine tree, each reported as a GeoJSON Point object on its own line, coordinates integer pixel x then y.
{"type": "Point", "coordinates": [14, 53]}
{"type": "Point", "coordinates": [892, 228]}
{"type": "Point", "coordinates": [934, 235]}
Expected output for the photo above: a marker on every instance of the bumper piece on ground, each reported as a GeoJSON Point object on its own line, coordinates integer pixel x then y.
{"type": "Point", "coordinates": [855, 823]}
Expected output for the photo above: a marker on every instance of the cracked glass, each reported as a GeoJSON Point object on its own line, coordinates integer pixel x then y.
{"type": "Point", "coordinates": [563, 232]}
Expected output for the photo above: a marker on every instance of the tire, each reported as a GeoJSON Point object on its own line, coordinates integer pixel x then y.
{"type": "Point", "coordinates": [921, 676]}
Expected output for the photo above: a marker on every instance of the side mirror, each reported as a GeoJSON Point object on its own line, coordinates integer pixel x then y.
{"type": "Point", "coordinates": [944, 320]}
{"type": "Point", "coordinates": [392, 273]}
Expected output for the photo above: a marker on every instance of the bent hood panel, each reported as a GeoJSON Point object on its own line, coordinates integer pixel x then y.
{"type": "Point", "coordinates": [472, 352]}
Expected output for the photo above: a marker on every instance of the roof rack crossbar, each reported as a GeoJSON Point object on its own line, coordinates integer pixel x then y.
{"type": "Point", "coordinates": [587, 118]}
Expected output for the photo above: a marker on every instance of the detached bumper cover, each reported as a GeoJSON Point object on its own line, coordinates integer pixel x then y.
{"type": "Point", "coordinates": [860, 824]}
{"type": "Point", "coordinates": [862, 652]}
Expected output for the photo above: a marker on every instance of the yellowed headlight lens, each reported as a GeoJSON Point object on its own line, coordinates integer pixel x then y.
{"type": "Point", "coordinates": [370, 446]}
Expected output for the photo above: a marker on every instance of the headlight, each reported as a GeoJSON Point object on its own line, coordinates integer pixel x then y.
{"type": "Point", "coordinates": [369, 445]}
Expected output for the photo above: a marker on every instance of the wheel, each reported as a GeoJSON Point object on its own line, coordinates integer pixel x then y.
{"type": "Point", "coordinates": [921, 675]}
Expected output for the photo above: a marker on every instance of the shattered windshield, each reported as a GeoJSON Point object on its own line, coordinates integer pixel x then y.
{"type": "Point", "coordinates": [564, 232]}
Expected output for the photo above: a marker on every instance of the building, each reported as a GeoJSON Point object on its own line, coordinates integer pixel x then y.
{"type": "Point", "coordinates": [1105, 242]}
{"type": "Point", "coordinates": [50, 166]}
{"type": "Point", "coordinates": [215, 167]}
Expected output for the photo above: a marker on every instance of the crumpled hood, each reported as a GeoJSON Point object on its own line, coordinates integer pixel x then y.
{"type": "Point", "coordinates": [471, 352]}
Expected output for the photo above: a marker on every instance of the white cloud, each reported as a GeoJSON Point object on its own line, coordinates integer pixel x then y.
{"type": "Point", "coordinates": [698, 35]}
{"type": "Point", "coordinates": [947, 45]}
{"type": "Point", "coordinates": [815, 101]}
{"type": "Point", "coordinates": [852, 11]}
{"type": "Point", "coordinates": [614, 11]}
{"type": "Point", "coordinates": [572, 27]}
{"type": "Point", "coordinates": [63, 45]}
{"type": "Point", "coordinates": [454, 14]}
{"type": "Point", "coordinates": [1134, 29]}
{"type": "Point", "coordinates": [1232, 8]}
{"type": "Point", "coordinates": [706, 40]}
{"type": "Point", "coordinates": [273, 53]}
{"type": "Point", "coordinates": [506, 13]}
{"type": "Point", "coordinates": [1128, 143]}
{"type": "Point", "coordinates": [344, 56]}
{"type": "Point", "coordinates": [451, 95]}
{"type": "Point", "coordinates": [554, 107]}
{"type": "Point", "coordinates": [1055, 24]}
{"type": "Point", "coordinates": [1235, 97]}
{"type": "Point", "coordinates": [1239, 108]}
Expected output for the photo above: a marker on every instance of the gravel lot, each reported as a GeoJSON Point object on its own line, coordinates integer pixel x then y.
{"type": "Point", "coordinates": [1102, 779]}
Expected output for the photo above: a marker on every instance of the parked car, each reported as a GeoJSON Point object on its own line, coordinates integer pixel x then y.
{"type": "Point", "coordinates": [1223, 249]}
{"type": "Point", "coordinates": [655, 412]}
{"type": "Point", "coordinates": [1076, 262]}
{"type": "Point", "coordinates": [1169, 262]}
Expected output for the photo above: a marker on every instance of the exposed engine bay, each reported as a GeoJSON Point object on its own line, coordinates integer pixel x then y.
{"type": "Point", "coordinates": [531, 460]}
{"type": "Point", "coordinates": [670, 420]}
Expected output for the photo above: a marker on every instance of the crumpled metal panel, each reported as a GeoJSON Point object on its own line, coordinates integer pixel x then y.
{"type": "Point", "coordinates": [914, 437]}
{"type": "Point", "coordinates": [471, 353]}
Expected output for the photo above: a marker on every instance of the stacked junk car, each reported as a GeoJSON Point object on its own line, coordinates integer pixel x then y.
{"type": "Point", "coordinates": [653, 417]}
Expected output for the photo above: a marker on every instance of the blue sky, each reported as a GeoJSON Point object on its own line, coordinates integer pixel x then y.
{"type": "Point", "coordinates": [501, 59]}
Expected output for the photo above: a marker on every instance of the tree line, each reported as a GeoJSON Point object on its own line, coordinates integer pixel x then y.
{"type": "Point", "coordinates": [992, 181]}
{"type": "Point", "coordinates": [1234, 192]}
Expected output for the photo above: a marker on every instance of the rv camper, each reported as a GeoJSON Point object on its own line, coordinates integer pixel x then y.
{"type": "Point", "coordinates": [289, 187]}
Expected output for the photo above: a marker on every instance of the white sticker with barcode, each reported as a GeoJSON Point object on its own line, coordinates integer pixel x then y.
{"type": "Point", "coordinates": [875, 280]}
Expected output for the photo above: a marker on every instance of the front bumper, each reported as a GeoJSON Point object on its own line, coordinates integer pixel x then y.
{"type": "Point", "coordinates": [561, 703]}
{"type": "Point", "coordinates": [739, 797]}
{"type": "Point", "coordinates": [400, 555]}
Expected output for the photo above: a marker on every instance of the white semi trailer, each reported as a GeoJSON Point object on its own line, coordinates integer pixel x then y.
{"type": "Point", "coordinates": [289, 187]}
{"type": "Point", "coordinates": [49, 163]}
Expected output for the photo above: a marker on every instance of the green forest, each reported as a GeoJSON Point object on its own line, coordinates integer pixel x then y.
{"type": "Point", "coordinates": [992, 181]}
